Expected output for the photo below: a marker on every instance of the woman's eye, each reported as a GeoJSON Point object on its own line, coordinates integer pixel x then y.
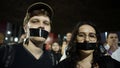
{"type": "Point", "coordinates": [81, 35]}
{"type": "Point", "coordinates": [92, 35]}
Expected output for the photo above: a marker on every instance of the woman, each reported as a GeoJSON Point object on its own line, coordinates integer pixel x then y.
{"type": "Point", "coordinates": [56, 52]}
{"type": "Point", "coordinates": [84, 49]}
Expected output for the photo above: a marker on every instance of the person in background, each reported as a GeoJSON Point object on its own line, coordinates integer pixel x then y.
{"type": "Point", "coordinates": [112, 45]}
{"type": "Point", "coordinates": [22, 38]}
{"type": "Point", "coordinates": [56, 52]}
{"type": "Point", "coordinates": [84, 49]}
{"type": "Point", "coordinates": [65, 45]}
{"type": "Point", "coordinates": [1, 39]}
{"type": "Point", "coordinates": [31, 53]}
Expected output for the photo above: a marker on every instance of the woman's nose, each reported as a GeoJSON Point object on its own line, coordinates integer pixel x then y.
{"type": "Point", "coordinates": [87, 39]}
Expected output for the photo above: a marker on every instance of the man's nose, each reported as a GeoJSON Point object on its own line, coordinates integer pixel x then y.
{"type": "Point", "coordinates": [41, 26]}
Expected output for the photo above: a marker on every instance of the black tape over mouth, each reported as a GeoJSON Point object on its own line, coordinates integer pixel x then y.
{"type": "Point", "coordinates": [36, 32]}
{"type": "Point", "coordinates": [86, 46]}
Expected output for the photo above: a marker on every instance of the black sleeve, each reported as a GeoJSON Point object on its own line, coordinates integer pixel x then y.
{"type": "Point", "coordinates": [108, 62]}
{"type": "Point", "coordinates": [2, 50]}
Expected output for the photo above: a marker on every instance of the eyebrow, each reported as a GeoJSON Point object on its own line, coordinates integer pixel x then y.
{"type": "Point", "coordinates": [84, 33]}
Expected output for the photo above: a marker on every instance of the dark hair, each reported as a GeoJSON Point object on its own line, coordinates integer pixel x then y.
{"type": "Point", "coordinates": [58, 45]}
{"type": "Point", "coordinates": [112, 32]}
{"type": "Point", "coordinates": [72, 50]}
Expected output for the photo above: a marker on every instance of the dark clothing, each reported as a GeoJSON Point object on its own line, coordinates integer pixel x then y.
{"type": "Point", "coordinates": [56, 57]}
{"type": "Point", "coordinates": [108, 62]}
{"type": "Point", "coordinates": [24, 59]}
{"type": "Point", "coordinates": [103, 62]}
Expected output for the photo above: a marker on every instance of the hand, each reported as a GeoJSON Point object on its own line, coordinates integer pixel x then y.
{"type": "Point", "coordinates": [113, 47]}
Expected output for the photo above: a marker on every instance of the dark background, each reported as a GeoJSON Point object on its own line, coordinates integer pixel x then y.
{"type": "Point", "coordinates": [67, 13]}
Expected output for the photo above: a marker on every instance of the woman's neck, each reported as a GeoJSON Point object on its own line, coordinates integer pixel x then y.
{"type": "Point", "coordinates": [86, 62]}
{"type": "Point", "coordinates": [87, 58]}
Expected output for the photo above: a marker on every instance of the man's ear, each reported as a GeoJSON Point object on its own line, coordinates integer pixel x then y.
{"type": "Point", "coordinates": [107, 40]}
{"type": "Point", "coordinates": [25, 28]}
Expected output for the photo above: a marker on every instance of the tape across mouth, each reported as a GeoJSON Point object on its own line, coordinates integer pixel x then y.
{"type": "Point", "coordinates": [86, 46]}
{"type": "Point", "coordinates": [38, 32]}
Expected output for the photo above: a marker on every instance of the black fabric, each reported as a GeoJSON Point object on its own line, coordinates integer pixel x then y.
{"type": "Point", "coordinates": [24, 59]}
{"type": "Point", "coordinates": [38, 32]}
{"type": "Point", "coordinates": [103, 62]}
{"type": "Point", "coordinates": [67, 63]}
{"type": "Point", "coordinates": [108, 62]}
{"type": "Point", "coordinates": [55, 57]}
{"type": "Point", "coordinates": [8, 56]}
{"type": "Point", "coordinates": [86, 46]}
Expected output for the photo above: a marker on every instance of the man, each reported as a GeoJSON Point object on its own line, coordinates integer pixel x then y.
{"type": "Point", "coordinates": [31, 54]}
{"type": "Point", "coordinates": [112, 45]}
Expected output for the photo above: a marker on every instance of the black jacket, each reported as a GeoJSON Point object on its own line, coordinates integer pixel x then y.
{"type": "Point", "coordinates": [103, 62]}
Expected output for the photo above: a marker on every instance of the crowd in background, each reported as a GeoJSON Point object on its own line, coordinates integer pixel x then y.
{"type": "Point", "coordinates": [80, 48]}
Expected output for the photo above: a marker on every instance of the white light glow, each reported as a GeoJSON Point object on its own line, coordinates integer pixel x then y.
{"type": "Point", "coordinates": [6, 38]}
{"type": "Point", "coordinates": [16, 39]}
{"type": "Point", "coordinates": [105, 34]}
{"type": "Point", "coordinates": [8, 32]}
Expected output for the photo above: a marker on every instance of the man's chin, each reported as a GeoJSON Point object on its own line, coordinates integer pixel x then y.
{"type": "Point", "coordinates": [40, 39]}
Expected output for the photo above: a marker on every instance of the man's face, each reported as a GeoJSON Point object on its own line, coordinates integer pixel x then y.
{"type": "Point", "coordinates": [42, 22]}
{"type": "Point", "coordinates": [112, 39]}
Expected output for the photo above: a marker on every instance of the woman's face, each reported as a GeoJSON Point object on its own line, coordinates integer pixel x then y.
{"type": "Point", "coordinates": [68, 37]}
{"type": "Point", "coordinates": [42, 22]}
{"type": "Point", "coordinates": [86, 33]}
{"type": "Point", "coordinates": [55, 47]}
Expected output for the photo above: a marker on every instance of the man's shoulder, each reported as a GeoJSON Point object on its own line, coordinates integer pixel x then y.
{"type": "Point", "coordinates": [66, 63]}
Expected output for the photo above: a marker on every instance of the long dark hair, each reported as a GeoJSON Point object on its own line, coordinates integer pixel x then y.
{"type": "Point", "coordinates": [72, 51]}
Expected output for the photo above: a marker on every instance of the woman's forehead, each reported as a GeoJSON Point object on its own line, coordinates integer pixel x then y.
{"type": "Point", "coordinates": [86, 28]}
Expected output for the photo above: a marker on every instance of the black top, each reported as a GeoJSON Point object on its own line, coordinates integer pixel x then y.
{"type": "Point", "coordinates": [103, 62]}
{"type": "Point", "coordinates": [24, 59]}
{"type": "Point", "coordinates": [56, 57]}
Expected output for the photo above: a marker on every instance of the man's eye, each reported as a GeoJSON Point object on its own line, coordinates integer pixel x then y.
{"type": "Point", "coordinates": [111, 37]}
{"type": "Point", "coordinates": [46, 23]}
{"type": "Point", "coordinates": [34, 21]}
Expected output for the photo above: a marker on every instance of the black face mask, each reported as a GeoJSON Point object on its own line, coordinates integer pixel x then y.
{"type": "Point", "coordinates": [38, 32]}
{"type": "Point", "coordinates": [86, 46]}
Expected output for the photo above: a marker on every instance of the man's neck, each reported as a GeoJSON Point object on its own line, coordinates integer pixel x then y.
{"type": "Point", "coordinates": [34, 50]}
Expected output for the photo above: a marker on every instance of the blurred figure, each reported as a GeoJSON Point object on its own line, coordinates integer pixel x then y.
{"type": "Point", "coordinates": [65, 44]}
{"type": "Point", "coordinates": [1, 38]}
{"type": "Point", "coordinates": [22, 38]}
{"type": "Point", "coordinates": [56, 52]}
{"type": "Point", "coordinates": [83, 49]}
{"type": "Point", "coordinates": [112, 45]}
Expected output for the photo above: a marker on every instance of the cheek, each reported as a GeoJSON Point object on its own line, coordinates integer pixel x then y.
{"type": "Point", "coordinates": [48, 28]}
{"type": "Point", "coordinates": [80, 39]}
{"type": "Point", "coordinates": [93, 41]}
